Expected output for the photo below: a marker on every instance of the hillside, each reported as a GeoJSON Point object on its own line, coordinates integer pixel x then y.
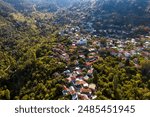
{"type": "Point", "coordinates": [108, 17]}
{"type": "Point", "coordinates": [26, 42]}
{"type": "Point", "coordinates": [40, 5]}
{"type": "Point", "coordinates": [6, 8]}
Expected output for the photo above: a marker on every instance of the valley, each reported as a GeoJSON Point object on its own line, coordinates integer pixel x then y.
{"type": "Point", "coordinates": [74, 50]}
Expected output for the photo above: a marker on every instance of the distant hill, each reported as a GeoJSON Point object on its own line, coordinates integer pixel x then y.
{"type": "Point", "coordinates": [40, 5]}
{"type": "Point", "coordinates": [58, 3]}
{"type": "Point", "coordinates": [6, 8]}
{"type": "Point", "coordinates": [20, 5]}
{"type": "Point", "coordinates": [125, 15]}
{"type": "Point", "coordinates": [52, 5]}
{"type": "Point", "coordinates": [111, 17]}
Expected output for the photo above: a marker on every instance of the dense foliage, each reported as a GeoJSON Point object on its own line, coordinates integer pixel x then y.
{"type": "Point", "coordinates": [118, 80]}
{"type": "Point", "coordinates": [27, 68]}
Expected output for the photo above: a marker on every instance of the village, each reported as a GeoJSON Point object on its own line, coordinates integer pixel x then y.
{"type": "Point", "coordinates": [85, 50]}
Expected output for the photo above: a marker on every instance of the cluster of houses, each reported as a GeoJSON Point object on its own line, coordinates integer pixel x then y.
{"type": "Point", "coordinates": [78, 86]}
{"type": "Point", "coordinates": [78, 77]}
{"type": "Point", "coordinates": [128, 48]}
{"type": "Point", "coordinates": [102, 25]}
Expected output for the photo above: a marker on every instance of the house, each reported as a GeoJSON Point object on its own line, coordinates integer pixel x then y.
{"type": "Point", "coordinates": [83, 96]}
{"type": "Point", "coordinates": [127, 54]}
{"type": "Point", "coordinates": [80, 82]}
{"type": "Point", "coordinates": [65, 90]}
{"type": "Point", "coordinates": [71, 88]}
{"type": "Point", "coordinates": [90, 72]}
{"type": "Point", "coordinates": [92, 53]}
{"type": "Point", "coordinates": [114, 52]}
{"type": "Point", "coordinates": [133, 41]}
{"type": "Point", "coordinates": [93, 59]}
{"type": "Point", "coordinates": [77, 68]}
{"type": "Point", "coordinates": [71, 79]}
{"type": "Point", "coordinates": [132, 52]}
{"type": "Point", "coordinates": [82, 42]}
{"type": "Point", "coordinates": [82, 56]}
{"type": "Point", "coordinates": [67, 72]}
{"type": "Point", "coordinates": [73, 46]}
{"type": "Point", "coordinates": [76, 62]}
{"type": "Point", "coordinates": [94, 97]}
{"type": "Point", "coordinates": [88, 64]}
{"type": "Point", "coordinates": [136, 61]}
{"type": "Point", "coordinates": [74, 96]}
{"type": "Point", "coordinates": [147, 44]}
{"type": "Point", "coordinates": [120, 55]}
{"type": "Point", "coordinates": [92, 86]}
{"type": "Point", "coordinates": [86, 91]}
{"type": "Point", "coordinates": [120, 46]}
{"type": "Point", "coordinates": [92, 50]}
{"type": "Point", "coordinates": [86, 77]}
{"type": "Point", "coordinates": [86, 85]}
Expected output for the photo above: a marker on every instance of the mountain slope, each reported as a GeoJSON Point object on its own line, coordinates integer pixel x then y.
{"type": "Point", "coordinates": [59, 3]}
{"type": "Point", "coordinates": [113, 18]}
{"type": "Point", "coordinates": [20, 5]}
{"type": "Point", "coordinates": [6, 8]}
{"type": "Point", "coordinates": [40, 5]}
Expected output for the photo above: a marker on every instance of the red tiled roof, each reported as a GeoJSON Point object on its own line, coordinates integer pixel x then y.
{"type": "Point", "coordinates": [72, 92]}
{"type": "Point", "coordinates": [81, 82]}
{"type": "Point", "coordinates": [88, 63]}
{"type": "Point", "coordinates": [83, 97]}
{"type": "Point", "coordinates": [90, 71]}
{"type": "Point", "coordinates": [65, 88]}
{"type": "Point", "coordinates": [70, 79]}
{"type": "Point", "coordinates": [85, 90]}
{"type": "Point", "coordinates": [90, 56]}
{"type": "Point", "coordinates": [73, 78]}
